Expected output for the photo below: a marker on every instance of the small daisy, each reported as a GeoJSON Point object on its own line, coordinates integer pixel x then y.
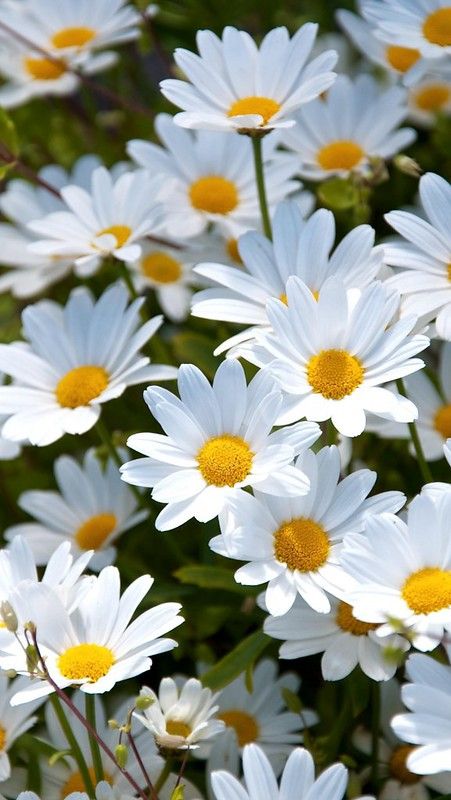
{"type": "Point", "coordinates": [92, 509]}
{"type": "Point", "coordinates": [28, 74]}
{"type": "Point", "coordinates": [424, 25]}
{"type": "Point", "coordinates": [13, 721]}
{"type": "Point", "coordinates": [429, 99]}
{"type": "Point", "coordinates": [403, 577]}
{"type": "Point", "coordinates": [212, 177]}
{"type": "Point", "coordinates": [357, 121]}
{"type": "Point", "coordinates": [218, 441]}
{"type": "Point", "coordinates": [331, 355]}
{"type": "Point", "coordinates": [425, 258]}
{"type": "Point", "coordinates": [78, 357]}
{"type": "Point", "coordinates": [235, 85]}
{"type": "Point", "coordinates": [294, 542]}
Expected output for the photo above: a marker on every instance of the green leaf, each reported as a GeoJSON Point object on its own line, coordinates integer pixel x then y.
{"type": "Point", "coordinates": [292, 701]}
{"type": "Point", "coordinates": [209, 577]}
{"type": "Point", "coordinates": [236, 662]}
{"type": "Point", "coordinates": [8, 133]}
{"type": "Point", "coordinates": [195, 348]}
{"type": "Point", "coordinates": [359, 692]}
{"type": "Point", "coordinates": [338, 194]}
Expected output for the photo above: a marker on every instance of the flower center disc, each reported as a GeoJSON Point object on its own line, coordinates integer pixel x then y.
{"type": "Point", "coordinates": [245, 726]}
{"type": "Point", "coordinates": [401, 58]}
{"type": "Point", "coordinates": [72, 37]}
{"type": "Point", "coordinates": [81, 385]}
{"type": "Point", "coordinates": [92, 534]}
{"type": "Point", "coordinates": [334, 373]}
{"type": "Point", "coordinates": [2, 738]}
{"type": "Point", "coordinates": [85, 662]}
{"type": "Point", "coordinates": [432, 97]}
{"type": "Point", "coordinates": [397, 765]}
{"type": "Point", "coordinates": [121, 233]}
{"type": "Point", "coordinates": [346, 620]}
{"type": "Point", "coordinates": [214, 194]}
{"type": "Point", "coordinates": [428, 590]}
{"type": "Point", "coordinates": [176, 727]}
{"type": "Point", "coordinates": [266, 107]}
{"type": "Point", "coordinates": [75, 783]}
{"type": "Point", "coordinates": [225, 460]}
{"type": "Point", "coordinates": [342, 154]}
{"type": "Point", "coordinates": [442, 421]}
{"type": "Point", "coordinates": [233, 252]}
{"type": "Point", "coordinates": [437, 27]}
{"type": "Point", "coordinates": [43, 69]}
{"type": "Point", "coordinates": [161, 267]}
{"type": "Point", "coordinates": [301, 544]}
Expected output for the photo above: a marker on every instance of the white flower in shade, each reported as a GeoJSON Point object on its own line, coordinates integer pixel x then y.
{"type": "Point", "coordinates": [180, 716]}
{"type": "Point", "coordinates": [356, 122]}
{"type": "Point", "coordinates": [299, 247]}
{"type": "Point", "coordinates": [429, 99]}
{"type": "Point", "coordinates": [28, 74]}
{"type": "Point", "coordinates": [92, 509]}
{"type": "Point", "coordinates": [13, 721]}
{"type": "Point", "coordinates": [218, 440]}
{"type": "Point", "coordinates": [424, 25]}
{"type": "Point", "coordinates": [77, 357]}
{"type": "Point", "coordinates": [425, 257]}
{"type": "Point", "coordinates": [293, 543]}
{"type": "Point", "coordinates": [331, 355]}
{"type": "Point", "coordinates": [98, 645]}
{"type": "Point", "coordinates": [8, 450]}
{"type": "Point", "coordinates": [403, 577]}
{"type": "Point", "coordinates": [235, 85]}
{"type": "Point", "coordinates": [212, 177]}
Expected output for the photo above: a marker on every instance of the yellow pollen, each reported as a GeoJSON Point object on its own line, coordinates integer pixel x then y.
{"type": "Point", "coordinates": [81, 385]}
{"type": "Point", "coordinates": [43, 69]}
{"type": "Point", "coordinates": [401, 58]}
{"type": "Point", "coordinates": [232, 250]}
{"type": "Point", "coordinates": [428, 590]}
{"type": "Point", "coordinates": [397, 765]}
{"type": "Point", "coordinates": [176, 727]}
{"type": "Point", "coordinates": [214, 194]}
{"type": "Point", "coordinates": [265, 106]}
{"type": "Point", "coordinates": [432, 97]}
{"type": "Point", "coordinates": [442, 421]}
{"type": "Point", "coordinates": [342, 154]}
{"type": "Point", "coordinates": [122, 233]}
{"type": "Point", "coordinates": [72, 37]}
{"type": "Point", "coordinates": [346, 620]}
{"type": "Point", "coordinates": [93, 533]}
{"type": "Point", "coordinates": [437, 27]}
{"type": "Point", "coordinates": [334, 373]}
{"type": "Point", "coordinates": [301, 544]}
{"type": "Point", "coordinates": [161, 267]}
{"type": "Point", "coordinates": [75, 782]}
{"type": "Point", "coordinates": [245, 726]}
{"type": "Point", "coordinates": [88, 662]}
{"type": "Point", "coordinates": [283, 298]}
{"type": "Point", "coordinates": [225, 460]}
{"type": "Point", "coordinates": [3, 736]}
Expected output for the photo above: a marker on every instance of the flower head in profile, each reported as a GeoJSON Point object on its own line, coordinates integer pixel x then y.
{"type": "Point", "coordinates": [423, 25]}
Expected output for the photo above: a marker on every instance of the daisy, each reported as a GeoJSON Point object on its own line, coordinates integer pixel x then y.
{"type": "Point", "coordinates": [357, 121]}
{"type": "Point", "coordinates": [218, 440]}
{"type": "Point", "coordinates": [425, 257]}
{"type": "Point", "coordinates": [331, 355]}
{"type": "Point", "coordinates": [424, 25]}
{"type": "Point", "coordinates": [96, 647]}
{"type": "Point", "coordinates": [403, 578]}
{"type": "Point", "coordinates": [8, 450]}
{"type": "Point", "coordinates": [92, 509]}
{"type": "Point", "coordinates": [235, 85]}
{"type": "Point", "coordinates": [212, 177]}
{"type": "Point", "coordinates": [429, 99]}
{"type": "Point", "coordinates": [13, 721]}
{"type": "Point", "coordinates": [77, 357]}
{"type": "Point", "coordinates": [294, 542]}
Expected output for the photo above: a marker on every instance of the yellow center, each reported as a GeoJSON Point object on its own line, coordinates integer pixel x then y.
{"type": "Point", "coordinates": [176, 727]}
{"type": "Point", "coordinates": [122, 233]}
{"type": "Point", "coordinates": [214, 194]}
{"type": "Point", "coordinates": [233, 252]}
{"type": "Point", "coordinates": [88, 662]}
{"type": "Point", "coordinates": [2, 738]}
{"type": "Point", "coordinates": [346, 620]}
{"type": "Point", "coordinates": [92, 534]}
{"type": "Point", "coordinates": [265, 106]}
{"type": "Point", "coordinates": [442, 421]}
{"type": "Point", "coordinates": [448, 269]}
{"type": "Point", "coordinates": [343, 154]}
{"type": "Point", "coordinates": [81, 385]}
{"type": "Point", "coordinates": [428, 590]}
{"type": "Point", "coordinates": [401, 58]}
{"type": "Point", "coordinates": [432, 97]}
{"type": "Point", "coordinates": [225, 460]}
{"type": "Point", "coordinates": [245, 726]}
{"type": "Point", "coordinates": [43, 69]}
{"type": "Point", "coordinates": [301, 544]}
{"type": "Point", "coordinates": [397, 765]}
{"type": "Point", "coordinates": [72, 37]}
{"type": "Point", "coordinates": [437, 27]}
{"type": "Point", "coordinates": [334, 373]}
{"type": "Point", "coordinates": [283, 298]}
{"type": "Point", "coordinates": [75, 782]}
{"type": "Point", "coordinates": [161, 267]}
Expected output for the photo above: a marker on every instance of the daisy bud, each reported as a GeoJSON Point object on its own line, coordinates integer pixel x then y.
{"type": "Point", "coordinates": [407, 165]}
{"type": "Point", "coordinates": [121, 753]}
{"type": "Point", "coordinates": [143, 701]}
{"type": "Point", "coordinates": [11, 674]}
{"type": "Point", "coordinates": [9, 617]}
{"type": "Point", "coordinates": [32, 658]}
{"type": "Point", "coordinates": [113, 724]}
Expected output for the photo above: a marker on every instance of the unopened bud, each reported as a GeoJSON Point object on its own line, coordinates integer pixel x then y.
{"type": "Point", "coordinates": [407, 165]}
{"type": "Point", "coordinates": [9, 617]}
{"type": "Point", "coordinates": [144, 701]}
{"type": "Point", "coordinates": [11, 674]}
{"type": "Point", "coordinates": [121, 753]}
{"type": "Point", "coordinates": [32, 658]}
{"type": "Point", "coordinates": [113, 724]}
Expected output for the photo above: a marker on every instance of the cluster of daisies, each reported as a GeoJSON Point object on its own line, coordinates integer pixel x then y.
{"type": "Point", "coordinates": [320, 338]}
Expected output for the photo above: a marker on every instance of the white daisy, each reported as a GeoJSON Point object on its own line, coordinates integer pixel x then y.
{"type": "Point", "coordinates": [235, 85]}
{"type": "Point", "coordinates": [78, 357]}
{"type": "Point", "coordinates": [218, 441]}
{"type": "Point", "coordinates": [403, 577]}
{"type": "Point", "coordinates": [91, 510]}
{"type": "Point", "coordinates": [8, 450]}
{"type": "Point", "coordinates": [430, 98]}
{"type": "Point", "coordinates": [28, 74]}
{"type": "Point", "coordinates": [13, 721]}
{"type": "Point", "coordinates": [357, 121]}
{"type": "Point", "coordinates": [425, 257]}
{"type": "Point", "coordinates": [212, 177]}
{"type": "Point", "coordinates": [331, 356]}
{"type": "Point", "coordinates": [421, 24]}
{"type": "Point", "coordinates": [294, 542]}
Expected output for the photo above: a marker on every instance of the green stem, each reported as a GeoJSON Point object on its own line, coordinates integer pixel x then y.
{"type": "Point", "coordinates": [107, 441]}
{"type": "Point", "coordinates": [260, 180]}
{"type": "Point", "coordinates": [125, 275]}
{"type": "Point", "coordinates": [422, 463]}
{"type": "Point", "coordinates": [73, 744]}
{"type": "Point", "coordinates": [375, 732]}
{"type": "Point", "coordinates": [330, 432]}
{"type": "Point", "coordinates": [94, 745]}
{"type": "Point", "coordinates": [164, 775]}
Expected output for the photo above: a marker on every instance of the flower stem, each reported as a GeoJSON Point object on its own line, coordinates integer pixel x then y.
{"type": "Point", "coordinates": [125, 275]}
{"type": "Point", "coordinates": [422, 463]}
{"type": "Point", "coordinates": [73, 744]}
{"type": "Point", "coordinates": [164, 775]}
{"type": "Point", "coordinates": [93, 743]}
{"type": "Point", "coordinates": [375, 732]}
{"type": "Point", "coordinates": [260, 180]}
{"type": "Point", "coordinates": [150, 787]}
{"type": "Point", "coordinates": [330, 432]}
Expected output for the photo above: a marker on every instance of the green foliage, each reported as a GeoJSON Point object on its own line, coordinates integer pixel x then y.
{"type": "Point", "coordinates": [236, 662]}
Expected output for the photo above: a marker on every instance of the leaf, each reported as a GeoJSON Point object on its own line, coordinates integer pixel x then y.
{"type": "Point", "coordinates": [8, 133]}
{"type": "Point", "coordinates": [208, 577]}
{"type": "Point", "coordinates": [292, 701]}
{"type": "Point", "coordinates": [195, 348]}
{"type": "Point", "coordinates": [236, 662]}
{"type": "Point", "coordinates": [338, 194]}
{"type": "Point", "coordinates": [359, 692]}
